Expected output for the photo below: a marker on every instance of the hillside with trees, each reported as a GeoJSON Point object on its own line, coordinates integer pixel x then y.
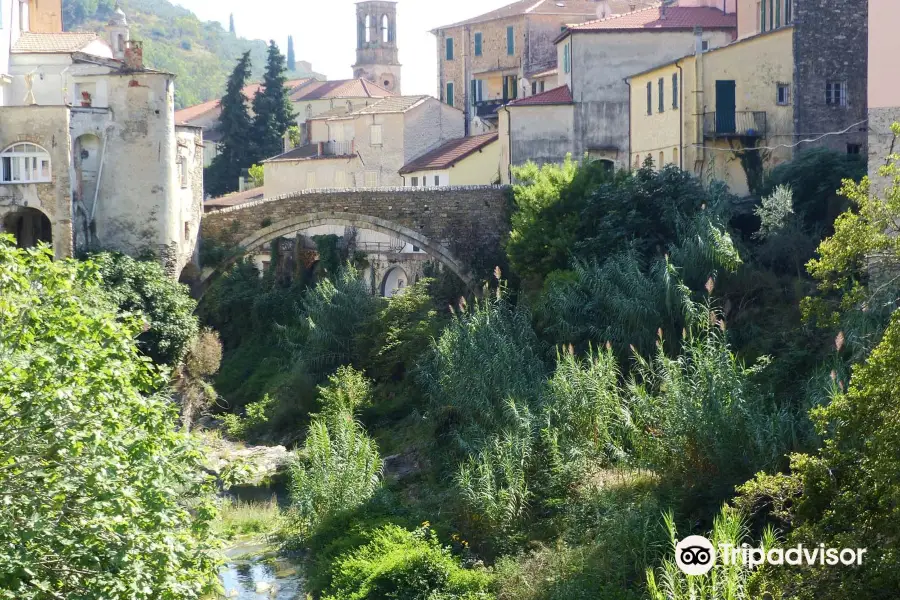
{"type": "Point", "coordinates": [201, 54]}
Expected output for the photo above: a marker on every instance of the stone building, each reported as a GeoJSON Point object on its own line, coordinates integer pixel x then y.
{"type": "Point", "coordinates": [365, 148]}
{"type": "Point", "coordinates": [377, 58]}
{"type": "Point", "coordinates": [884, 85]}
{"type": "Point", "coordinates": [486, 61]}
{"type": "Point", "coordinates": [90, 155]}
{"type": "Point", "coordinates": [315, 98]}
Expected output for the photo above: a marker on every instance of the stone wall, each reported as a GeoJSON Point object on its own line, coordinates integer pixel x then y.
{"type": "Point", "coordinates": [882, 143]}
{"type": "Point", "coordinates": [456, 225]}
{"type": "Point", "coordinates": [831, 44]}
{"type": "Point", "coordinates": [48, 127]}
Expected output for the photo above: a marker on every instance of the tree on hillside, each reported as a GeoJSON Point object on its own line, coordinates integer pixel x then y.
{"type": "Point", "coordinates": [236, 128]}
{"type": "Point", "coordinates": [272, 107]}
{"type": "Point", "coordinates": [231, 29]}
{"type": "Point", "coordinates": [291, 57]}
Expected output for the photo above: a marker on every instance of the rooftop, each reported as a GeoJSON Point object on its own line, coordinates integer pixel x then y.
{"type": "Point", "coordinates": [307, 152]}
{"type": "Point", "coordinates": [54, 43]}
{"type": "Point", "coordinates": [560, 95]}
{"type": "Point", "coordinates": [234, 199]}
{"type": "Point", "coordinates": [342, 88]}
{"type": "Point", "coordinates": [570, 8]}
{"type": "Point", "coordinates": [186, 115]}
{"type": "Point", "coordinates": [393, 104]}
{"type": "Point", "coordinates": [450, 153]}
{"type": "Point", "coordinates": [656, 18]}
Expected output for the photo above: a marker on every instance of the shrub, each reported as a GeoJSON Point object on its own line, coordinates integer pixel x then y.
{"type": "Point", "coordinates": [144, 288]}
{"type": "Point", "coordinates": [407, 565]}
{"type": "Point", "coordinates": [339, 468]}
{"type": "Point", "coordinates": [254, 424]}
{"type": "Point", "coordinates": [201, 362]}
{"type": "Point", "coordinates": [95, 475]}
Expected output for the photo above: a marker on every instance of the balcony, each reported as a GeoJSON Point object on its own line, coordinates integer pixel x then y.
{"type": "Point", "coordinates": [487, 109]}
{"type": "Point", "coordinates": [334, 148]}
{"type": "Point", "coordinates": [725, 125]}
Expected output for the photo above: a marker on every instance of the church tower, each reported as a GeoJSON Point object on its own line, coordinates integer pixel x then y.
{"type": "Point", "coordinates": [376, 44]}
{"type": "Point", "coordinates": [119, 32]}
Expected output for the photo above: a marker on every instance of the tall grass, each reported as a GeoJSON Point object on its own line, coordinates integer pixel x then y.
{"type": "Point", "coordinates": [238, 519]}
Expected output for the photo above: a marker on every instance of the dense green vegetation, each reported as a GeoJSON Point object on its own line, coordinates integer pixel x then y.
{"type": "Point", "coordinates": [95, 482]}
{"type": "Point", "coordinates": [201, 54]}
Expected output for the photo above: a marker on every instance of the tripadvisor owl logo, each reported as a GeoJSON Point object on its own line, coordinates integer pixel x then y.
{"type": "Point", "coordinates": [695, 555]}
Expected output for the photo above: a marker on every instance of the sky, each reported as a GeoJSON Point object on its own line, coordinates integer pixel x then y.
{"type": "Point", "coordinates": [325, 31]}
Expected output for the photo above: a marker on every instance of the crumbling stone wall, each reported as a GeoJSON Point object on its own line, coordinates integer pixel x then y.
{"type": "Point", "coordinates": [831, 44]}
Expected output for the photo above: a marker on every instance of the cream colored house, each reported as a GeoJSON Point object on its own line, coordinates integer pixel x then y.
{"type": "Point", "coordinates": [90, 153]}
{"type": "Point", "coordinates": [365, 148]}
{"type": "Point", "coordinates": [707, 112]}
{"type": "Point", "coordinates": [465, 161]}
{"type": "Point", "coordinates": [317, 98]}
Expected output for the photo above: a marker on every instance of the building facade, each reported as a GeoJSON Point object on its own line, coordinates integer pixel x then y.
{"type": "Point", "coordinates": [506, 54]}
{"type": "Point", "coordinates": [377, 54]}
{"type": "Point", "coordinates": [471, 160]}
{"type": "Point", "coordinates": [366, 148]}
{"type": "Point", "coordinates": [884, 85]}
{"type": "Point", "coordinates": [91, 156]}
{"type": "Point", "coordinates": [538, 129]}
{"type": "Point", "coordinates": [316, 98]}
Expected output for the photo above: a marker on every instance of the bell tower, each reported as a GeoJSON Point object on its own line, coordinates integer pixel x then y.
{"type": "Point", "coordinates": [376, 44]}
{"type": "Point", "coordinates": [119, 32]}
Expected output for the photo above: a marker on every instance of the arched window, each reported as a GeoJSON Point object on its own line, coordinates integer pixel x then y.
{"type": "Point", "coordinates": [384, 29]}
{"type": "Point", "coordinates": [368, 28]}
{"type": "Point", "coordinates": [24, 163]}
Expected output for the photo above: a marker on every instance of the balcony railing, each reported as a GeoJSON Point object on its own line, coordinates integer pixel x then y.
{"type": "Point", "coordinates": [734, 124]}
{"type": "Point", "coordinates": [333, 148]}
{"type": "Point", "coordinates": [487, 109]}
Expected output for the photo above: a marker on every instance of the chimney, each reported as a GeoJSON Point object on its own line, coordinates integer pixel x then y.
{"type": "Point", "coordinates": [134, 55]}
{"type": "Point", "coordinates": [603, 10]}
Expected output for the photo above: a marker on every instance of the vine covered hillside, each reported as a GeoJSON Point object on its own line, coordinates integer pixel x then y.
{"type": "Point", "coordinates": [201, 54]}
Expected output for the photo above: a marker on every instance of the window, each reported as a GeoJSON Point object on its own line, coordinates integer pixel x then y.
{"type": "Point", "coordinates": [543, 84]}
{"type": "Point", "coordinates": [777, 13]}
{"type": "Point", "coordinates": [510, 87]}
{"type": "Point", "coordinates": [788, 12]}
{"type": "Point", "coordinates": [783, 94]}
{"type": "Point", "coordinates": [450, 93]}
{"type": "Point", "coordinates": [534, 88]}
{"type": "Point", "coordinates": [414, 182]}
{"type": "Point", "coordinates": [371, 179]}
{"type": "Point", "coordinates": [384, 29]}
{"type": "Point", "coordinates": [477, 44]}
{"type": "Point", "coordinates": [704, 46]}
{"type": "Point", "coordinates": [662, 94]}
{"type": "Point", "coordinates": [675, 90]}
{"type": "Point", "coordinates": [854, 148]}
{"type": "Point", "coordinates": [424, 181]}
{"type": "Point", "coordinates": [836, 93]}
{"type": "Point", "coordinates": [649, 98]}
{"type": "Point", "coordinates": [311, 180]}
{"type": "Point", "coordinates": [567, 60]}
{"type": "Point", "coordinates": [762, 16]}
{"type": "Point", "coordinates": [25, 163]}
{"type": "Point", "coordinates": [477, 91]}
{"type": "Point", "coordinates": [437, 180]}
{"type": "Point", "coordinates": [510, 40]}
{"type": "Point", "coordinates": [183, 171]}
{"type": "Point", "coordinates": [449, 48]}
{"type": "Point", "coordinates": [368, 28]}
{"type": "Point", "coordinates": [375, 135]}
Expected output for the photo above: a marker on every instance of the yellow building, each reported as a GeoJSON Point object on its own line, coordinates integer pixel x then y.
{"type": "Point", "coordinates": [471, 160]}
{"type": "Point", "coordinates": [723, 114]}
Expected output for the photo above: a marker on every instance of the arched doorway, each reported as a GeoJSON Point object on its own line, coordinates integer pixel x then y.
{"type": "Point", "coordinates": [395, 282]}
{"type": "Point", "coordinates": [29, 226]}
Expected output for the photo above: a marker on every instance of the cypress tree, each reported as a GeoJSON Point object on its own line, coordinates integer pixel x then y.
{"type": "Point", "coordinates": [231, 24]}
{"type": "Point", "coordinates": [291, 57]}
{"type": "Point", "coordinates": [236, 129]}
{"type": "Point", "coordinates": [272, 107]}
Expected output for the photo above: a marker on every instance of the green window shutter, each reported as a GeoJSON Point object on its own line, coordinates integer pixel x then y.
{"type": "Point", "coordinates": [675, 90]}
{"type": "Point", "coordinates": [777, 13]}
{"type": "Point", "coordinates": [762, 16]}
{"type": "Point", "coordinates": [449, 48]}
{"type": "Point", "coordinates": [477, 44]}
{"type": "Point", "coordinates": [649, 98]}
{"type": "Point", "coordinates": [510, 40]}
{"type": "Point", "coordinates": [662, 94]}
{"type": "Point", "coordinates": [450, 93]}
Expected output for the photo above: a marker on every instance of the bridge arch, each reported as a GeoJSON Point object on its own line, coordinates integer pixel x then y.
{"type": "Point", "coordinates": [296, 224]}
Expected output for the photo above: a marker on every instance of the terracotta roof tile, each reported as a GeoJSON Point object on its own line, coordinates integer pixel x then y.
{"type": "Point", "coordinates": [234, 199]}
{"type": "Point", "coordinates": [188, 114]}
{"type": "Point", "coordinates": [394, 104]}
{"type": "Point", "coordinates": [341, 88]}
{"type": "Point", "coordinates": [450, 153]}
{"type": "Point", "coordinates": [675, 17]}
{"type": "Point", "coordinates": [569, 8]}
{"type": "Point", "coordinates": [53, 43]}
{"type": "Point", "coordinates": [560, 95]}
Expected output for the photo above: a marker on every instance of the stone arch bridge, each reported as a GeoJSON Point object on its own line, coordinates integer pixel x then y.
{"type": "Point", "coordinates": [453, 225]}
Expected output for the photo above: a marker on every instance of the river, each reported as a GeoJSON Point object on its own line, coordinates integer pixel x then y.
{"type": "Point", "coordinates": [253, 572]}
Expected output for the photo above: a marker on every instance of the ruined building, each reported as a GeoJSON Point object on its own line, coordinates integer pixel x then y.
{"type": "Point", "coordinates": [90, 156]}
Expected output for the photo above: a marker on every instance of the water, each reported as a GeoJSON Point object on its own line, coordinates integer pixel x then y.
{"type": "Point", "coordinates": [252, 575]}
